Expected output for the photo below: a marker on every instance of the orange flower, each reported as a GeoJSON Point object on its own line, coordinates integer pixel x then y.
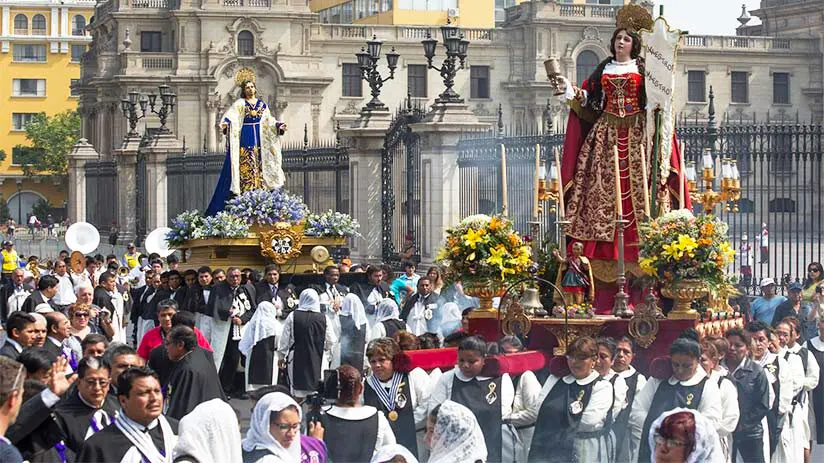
{"type": "Point", "coordinates": [495, 224]}
{"type": "Point", "coordinates": [707, 229]}
{"type": "Point", "coordinates": [514, 240]}
{"type": "Point", "coordinates": [704, 241]}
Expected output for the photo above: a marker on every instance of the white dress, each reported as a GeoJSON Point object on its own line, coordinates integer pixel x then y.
{"type": "Point", "coordinates": [730, 411]}
{"type": "Point", "coordinates": [627, 454]}
{"type": "Point", "coordinates": [526, 399]}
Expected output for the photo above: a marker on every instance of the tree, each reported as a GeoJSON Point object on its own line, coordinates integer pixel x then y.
{"type": "Point", "coordinates": [41, 209]}
{"type": "Point", "coordinates": [4, 209]}
{"type": "Point", "coordinates": [52, 138]}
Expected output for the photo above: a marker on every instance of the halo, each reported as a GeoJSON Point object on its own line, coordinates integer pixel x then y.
{"type": "Point", "coordinates": [244, 75]}
{"type": "Point", "coordinates": [634, 18]}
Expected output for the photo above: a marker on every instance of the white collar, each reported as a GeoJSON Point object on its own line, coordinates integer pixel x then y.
{"type": "Point", "coordinates": [696, 378]}
{"type": "Point", "coordinates": [352, 413]}
{"type": "Point", "coordinates": [459, 375]}
{"type": "Point", "coordinates": [768, 358]}
{"type": "Point", "coordinates": [593, 375]}
{"type": "Point", "coordinates": [45, 299]}
{"type": "Point", "coordinates": [15, 344]}
{"type": "Point", "coordinates": [610, 374]}
{"type": "Point", "coordinates": [55, 341]}
{"type": "Point", "coordinates": [817, 343]}
{"type": "Point", "coordinates": [626, 374]}
{"type": "Point", "coordinates": [135, 424]}
{"type": "Point", "coordinates": [795, 349]}
{"type": "Point", "coordinates": [86, 402]}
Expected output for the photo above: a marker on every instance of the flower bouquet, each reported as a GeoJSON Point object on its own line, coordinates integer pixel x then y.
{"type": "Point", "coordinates": [485, 250]}
{"type": "Point", "coordinates": [264, 207]}
{"type": "Point", "coordinates": [191, 225]}
{"type": "Point", "coordinates": [584, 310]}
{"type": "Point", "coordinates": [184, 227]}
{"type": "Point", "coordinates": [331, 223]}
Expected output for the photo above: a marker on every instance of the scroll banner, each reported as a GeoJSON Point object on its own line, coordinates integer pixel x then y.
{"type": "Point", "coordinates": [660, 47]}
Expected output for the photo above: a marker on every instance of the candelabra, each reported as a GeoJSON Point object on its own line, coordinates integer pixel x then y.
{"type": "Point", "coordinates": [730, 183]}
{"type": "Point", "coordinates": [456, 47]}
{"type": "Point", "coordinates": [368, 61]}
{"type": "Point", "coordinates": [129, 106]}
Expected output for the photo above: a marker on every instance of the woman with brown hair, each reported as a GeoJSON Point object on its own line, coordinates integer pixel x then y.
{"type": "Point", "coordinates": [572, 410]}
{"type": "Point", "coordinates": [354, 431]}
{"type": "Point", "coordinates": [684, 436]}
{"type": "Point", "coordinates": [434, 274]}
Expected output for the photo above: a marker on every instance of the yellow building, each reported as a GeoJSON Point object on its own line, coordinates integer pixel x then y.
{"type": "Point", "coordinates": [41, 43]}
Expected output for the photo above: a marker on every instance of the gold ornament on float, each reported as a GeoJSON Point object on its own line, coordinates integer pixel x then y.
{"type": "Point", "coordinates": [281, 243]}
{"type": "Point", "coordinates": [245, 75]}
{"type": "Point", "coordinates": [633, 18]}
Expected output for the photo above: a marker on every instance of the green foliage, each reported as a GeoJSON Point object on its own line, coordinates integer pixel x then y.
{"type": "Point", "coordinates": [4, 209]}
{"type": "Point", "coordinates": [52, 138]}
{"type": "Point", "coordinates": [41, 209]}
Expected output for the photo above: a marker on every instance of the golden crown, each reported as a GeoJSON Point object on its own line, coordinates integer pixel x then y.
{"type": "Point", "coordinates": [244, 75]}
{"type": "Point", "coordinates": [633, 18]}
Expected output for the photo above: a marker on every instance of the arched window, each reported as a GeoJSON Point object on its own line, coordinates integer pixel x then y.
{"type": "Point", "coordinates": [21, 25]}
{"type": "Point", "coordinates": [38, 25]}
{"type": "Point", "coordinates": [586, 63]}
{"type": "Point", "coordinates": [78, 25]}
{"type": "Point", "coordinates": [245, 43]}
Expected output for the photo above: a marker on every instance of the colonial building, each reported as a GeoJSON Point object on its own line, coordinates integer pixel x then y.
{"type": "Point", "coordinates": [308, 71]}
{"type": "Point", "coordinates": [41, 44]}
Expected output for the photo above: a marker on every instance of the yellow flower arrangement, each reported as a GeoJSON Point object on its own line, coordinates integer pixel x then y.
{"type": "Point", "coordinates": [484, 247]}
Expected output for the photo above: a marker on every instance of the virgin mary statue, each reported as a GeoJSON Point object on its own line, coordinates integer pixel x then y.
{"type": "Point", "coordinates": [253, 155]}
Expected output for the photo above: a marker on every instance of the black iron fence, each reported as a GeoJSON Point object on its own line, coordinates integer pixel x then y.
{"type": "Point", "coordinates": [101, 194]}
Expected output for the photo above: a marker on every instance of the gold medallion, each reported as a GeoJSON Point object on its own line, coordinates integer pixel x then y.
{"type": "Point", "coordinates": [393, 416]}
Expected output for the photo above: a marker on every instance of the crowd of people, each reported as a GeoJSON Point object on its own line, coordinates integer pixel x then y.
{"type": "Point", "coordinates": [135, 359]}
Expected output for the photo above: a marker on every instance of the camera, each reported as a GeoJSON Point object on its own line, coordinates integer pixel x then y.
{"type": "Point", "coordinates": [327, 391]}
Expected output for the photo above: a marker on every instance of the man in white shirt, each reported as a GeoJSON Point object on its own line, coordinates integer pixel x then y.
{"type": "Point", "coordinates": [65, 288]}
{"type": "Point", "coordinates": [17, 294]}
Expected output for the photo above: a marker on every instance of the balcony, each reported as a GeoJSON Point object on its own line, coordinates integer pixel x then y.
{"type": "Point", "coordinates": [526, 10]}
{"type": "Point", "coordinates": [21, 31]}
{"type": "Point", "coordinates": [359, 33]}
{"type": "Point", "coordinates": [750, 44]}
{"type": "Point", "coordinates": [155, 4]}
{"type": "Point", "coordinates": [248, 3]}
{"type": "Point", "coordinates": [136, 63]}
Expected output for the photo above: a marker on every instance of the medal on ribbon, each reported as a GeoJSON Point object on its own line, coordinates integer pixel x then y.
{"type": "Point", "coordinates": [577, 406]}
{"type": "Point", "coordinates": [400, 400]}
{"type": "Point", "coordinates": [690, 396]}
{"type": "Point", "coordinates": [427, 313]}
{"type": "Point", "coordinates": [388, 398]}
{"type": "Point", "coordinates": [491, 396]}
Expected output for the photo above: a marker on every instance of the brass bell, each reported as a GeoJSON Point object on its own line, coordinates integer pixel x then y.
{"type": "Point", "coordinates": [531, 302]}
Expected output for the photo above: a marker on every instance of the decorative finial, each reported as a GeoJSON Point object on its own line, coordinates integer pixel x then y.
{"type": "Point", "coordinates": [245, 75]}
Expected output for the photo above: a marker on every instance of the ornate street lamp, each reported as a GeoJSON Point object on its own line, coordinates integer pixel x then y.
{"type": "Point", "coordinates": [456, 49]}
{"type": "Point", "coordinates": [129, 107]}
{"type": "Point", "coordinates": [368, 62]}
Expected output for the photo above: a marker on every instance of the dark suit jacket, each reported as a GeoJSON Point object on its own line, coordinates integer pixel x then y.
{"type": "Point", "coordinates": [9, 351]}
{"type": "Point", "coordinates": [102, 299]}
{"type": "Point", "coordinates": [53, 348]}
{"type": "Point", "coordinates": [35, 432]}
{"type": "Point", "coordinates": [221, 300]}
{"type": "Point", "coordinates": [34, 299]}
{"type": "Point", "coordinates": [264, 293]}
{"type": "Point", "coordinates": [411, 301]}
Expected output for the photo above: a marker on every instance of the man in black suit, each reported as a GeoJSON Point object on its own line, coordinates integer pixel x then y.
{"type": "Point", "coordinates": [420, 312]}
{"type": "Point", "coordinates": [271, 290]}
{"type": "Point", "coordinates": [373, 291]}
{"type": "Point", "coordinates": [230, 298]}
{"type": "Point", "coordinates": [22, 332]}
{"type": "Point", "coordinates": [177, 290]}
{"type": "Point", "coordinates": [108, 299]}
{"type": "Point", "coordinates": [46, 289]}
{"type": "Point", "coordinates": [14, 294]}
{"type": "Point", "coordinates": [58, 329]}
{"type": "Point", "coordinates": [331, 292]}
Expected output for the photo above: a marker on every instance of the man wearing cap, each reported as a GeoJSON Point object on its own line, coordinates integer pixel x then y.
{"type": "Point", "coordinates": [132, 257]}
{"type": "Point", "coordinates": [763, 307]}
{"type": "Point", "coordinates": [9, 257]}
{"type": "Point", "coordinates": [791, 307]}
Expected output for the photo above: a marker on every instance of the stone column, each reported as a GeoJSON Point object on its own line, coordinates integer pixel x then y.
{"type": "Point", "coordinates": [81, 152]}
{"type": "Point", "coordinates": [440, 179]}
{"type": "Point", "coordinates": [157, 151]}
{"type": "Point", "coordinates": [126, 160]}
{"type": "Point", "coordinates": [211, 130]}
{"type": "Point", "coordinates": [366, 138]}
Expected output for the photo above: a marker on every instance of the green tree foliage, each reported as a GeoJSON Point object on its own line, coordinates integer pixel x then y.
{"type": "Point", "coordinates": [51, 139]}
{"type": "Point", "coordinates": [41, 209]}
{"type": "Point", "coordinates": [4, 209]}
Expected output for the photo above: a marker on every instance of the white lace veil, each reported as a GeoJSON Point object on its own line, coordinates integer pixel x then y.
{"type": "Point", "coordinates": [707, 444]}
{"type": "Point", "coordinates": [353, 307]}
{"type": "Point", "coordinates": [387, 310]}
{"type": "Point", "coordinates": [259, 436]}
{"type": "Point", "coordinates": [309, 301]}
{"type": "Point", "coordinates": [457, 436]}
{"type": "Point", "coordinates": [388, 452]}
{"type": "Point", "coordinates": [210, 432]}
{"type": "Point", "coordinates": [263, 324]}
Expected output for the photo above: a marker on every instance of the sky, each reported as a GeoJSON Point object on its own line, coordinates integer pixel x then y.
{"type": "Point", "coordinates": [706, 17]}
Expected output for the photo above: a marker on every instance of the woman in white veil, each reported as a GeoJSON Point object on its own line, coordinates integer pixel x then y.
{"type": "Point", "coordinates": [387, 320]}
{"type": "Point", "coordinates": [259, 346]}
{"type": "Point", "coordinates": [209, 433]}
{"type": "Point", "coordinates": [273, 437]}
{"type": "Point", "coordinates": [453, 435]}
{"type": "Point", "coordinates": [354, 332]}
{"type": "Point", "coordinates": [673, 433]}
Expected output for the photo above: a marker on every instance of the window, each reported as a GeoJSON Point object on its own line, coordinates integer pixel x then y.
{"type": "Point", "coordinates": [24, 155]}
{"type": "Point", "coordinates": [20, 120]}
{"type": "Point", "coordinates": [740, 87]}
{"type": "Point", "coordinates": [38, 25]}
{"type": "Point", "coordinates": [77, 53]}
{"type": "Point", "coordinates": [21, 25]}
{"type": "Point", "coordinates": [585, 64]}
{"type": "Point", "coordinates": [696, 86]}
{"type": "Point", "coordinates": [781, 88]}
{"type": "Point", "coordinates": [416, 77]}
{"type": "Point", "coordinates": [78, 25]}
{"type": "Point", "coordinates": [245, 44]}
{"type": "Point", "coordinates": [479, 82]}
{"type": "Point", "coordinates": [73, 87]}
{"type": "Point", "coordinates": [29, 87]}
{"type": "Point", "coordinates": [782, 205]}
{"type": "Point", "coordinates": [29, 53]}
{"type": "Point", "coordinates": [352, 85]}
{"type": "Point", "coordinates": [150, 41]}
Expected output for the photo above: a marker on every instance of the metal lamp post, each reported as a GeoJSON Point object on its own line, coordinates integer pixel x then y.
{"type": "Point", "coordinates": [368, 61]}
{"type": "Point", "coordinates": [129, 106]}
{"type": "Point", "coordinates": [456, 49]}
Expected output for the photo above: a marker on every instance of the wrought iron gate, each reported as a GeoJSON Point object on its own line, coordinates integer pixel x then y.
{"type": "Point", "coordinates": [401, 188]}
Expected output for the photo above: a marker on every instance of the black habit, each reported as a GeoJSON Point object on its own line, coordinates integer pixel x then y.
{"type": "Point", "coordinates": [193, 380]}
{"type": "Point", "coordinates": [111, 445]}
{"type": "Point", "coordinates": [74, 418]}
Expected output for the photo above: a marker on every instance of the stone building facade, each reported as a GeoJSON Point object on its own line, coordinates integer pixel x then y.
{"type": "Point", "coordinates": [307, 71]}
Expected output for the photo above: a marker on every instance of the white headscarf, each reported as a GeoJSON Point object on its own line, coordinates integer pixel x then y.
{"type": "Point", "coordinates": [457, 436]}
{"type": "Point", "coordinates": [388, 452]}
{"type": "Point", "coordinates": [259, 437]}
{"type": "Point", "coordinates": [309, 301]}
{"type": "Point", "coordinates": [450, 318]}
{"type": "Point", "coordinates": [387, 310]}
{"type": "Point", "coordinates": [264, 324]}
{"type": "Point", "coordinates": [210, 432]}
{"type": "Point", "coordinates": [353, 307]}
{"type": "Point", "coordinates": [707, 444]}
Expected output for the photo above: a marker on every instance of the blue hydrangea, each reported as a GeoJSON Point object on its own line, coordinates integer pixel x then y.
{"type": "Point", "coordinates": [266, 207]}
{"type": "Point", "coordinates": [331, 223]}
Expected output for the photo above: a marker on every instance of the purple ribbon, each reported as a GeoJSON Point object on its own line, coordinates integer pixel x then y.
{"type": "Point", "coordinates": [61, 450]}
